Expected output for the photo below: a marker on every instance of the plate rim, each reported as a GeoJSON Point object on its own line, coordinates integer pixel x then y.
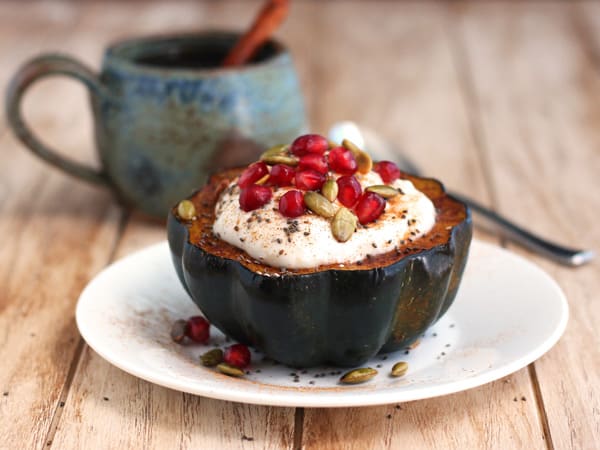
{"type": "Point", "coordinates": [301, 398]}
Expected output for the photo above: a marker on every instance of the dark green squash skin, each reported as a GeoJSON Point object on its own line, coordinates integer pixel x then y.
{"type": "Point", "coordinates": [339, 317]}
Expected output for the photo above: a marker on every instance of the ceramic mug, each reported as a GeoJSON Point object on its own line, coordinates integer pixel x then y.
{"type": "Point", "coordinates": [166, 115]}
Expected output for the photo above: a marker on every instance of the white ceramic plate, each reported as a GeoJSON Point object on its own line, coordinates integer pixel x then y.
{"type": "Point", "coordinates": [508, 313]}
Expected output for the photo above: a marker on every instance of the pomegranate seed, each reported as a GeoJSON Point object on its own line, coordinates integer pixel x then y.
{"type": "Point", "coordinates": [341, 160]}
{"type": "Point", "coordinates": [314, 162]}
{"type": "Point", "coordinates": [281, 175]}
{"type": "Point", "coordinates": [198, 329]}
{"type": "Point", "coordinates": [252, 174]}
{"type": "Point", "coordinates": [369, 207]}
{"type": "Point", "coordinates": [237, 355]}
{"type": "Point", "coordinates": [291, 204]}
{"type": "Point", "coordinates": [254, 196]}
{"type": "Point", "coordinates": [349, 190]}
{"type": "Point", "coordinates": [309, 143]}
{"type": "Point", "coordinates": [388, 171]}
{"type": "Point", "coordinates": [309, 180]}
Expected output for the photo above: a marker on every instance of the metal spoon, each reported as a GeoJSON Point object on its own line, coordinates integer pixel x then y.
{"type": "Point", "coordinates": [384, 150]}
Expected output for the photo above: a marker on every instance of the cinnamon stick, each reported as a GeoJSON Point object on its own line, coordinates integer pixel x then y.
{"type": "Point", "coordinates": [268, 20]}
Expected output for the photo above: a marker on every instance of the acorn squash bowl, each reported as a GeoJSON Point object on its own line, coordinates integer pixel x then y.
{"type": "Point", "coordinates": [326, 315]}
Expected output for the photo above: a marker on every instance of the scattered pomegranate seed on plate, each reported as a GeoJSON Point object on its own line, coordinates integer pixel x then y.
{"type": "Point", "coordinates": [237, 355]}
{"type": "Point", "coordinates": [198, 329]}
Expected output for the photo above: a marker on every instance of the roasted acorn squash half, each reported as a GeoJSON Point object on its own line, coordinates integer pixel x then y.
{"type": "Point", "coordinates": [325, 315]}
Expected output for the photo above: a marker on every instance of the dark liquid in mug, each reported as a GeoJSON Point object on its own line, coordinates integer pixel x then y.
{"type": "Point", "coordinates": [188, 55]}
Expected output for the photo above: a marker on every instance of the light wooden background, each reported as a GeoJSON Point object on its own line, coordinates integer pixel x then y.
{"type": "Point", "coordinates": [499, 99]}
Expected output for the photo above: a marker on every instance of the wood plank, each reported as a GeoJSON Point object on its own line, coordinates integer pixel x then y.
{"type": "Point", "coordinates": [56, 233]}
{"type": "Point", "coordinates": [424, 103]}
{"type": "Point", "coordinates": [409, 86]}
{"type": "Point", "coordinates": [113, 400]}
{"type": "Point", "coordinates": [537, 84]}
{"type": "Point", "coordinates": [104, 403]}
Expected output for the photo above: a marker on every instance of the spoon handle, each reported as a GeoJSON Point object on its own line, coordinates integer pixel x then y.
{"type": "Point", "coordinates": [512, 231]}
{"type": "Point", "coordinates": [384, 149]}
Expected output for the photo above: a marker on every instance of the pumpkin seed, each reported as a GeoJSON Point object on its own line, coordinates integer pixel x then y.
{"type": "Point", "coordinates": [330, 189]}
{"type": "Point", "coordinates": [212, 357]}
{"type": "Point", "coordinates": [384, 190]}
{"type": "Point", "coordinates": [280, 159]}
{"type": "Point", "coordinates": [178, 330]}
{"type": "Point", "coordinates": [319, 204]}
{"type": "Point", "coordinates": [351, 146]}
{"type": "Point", "coordinates": [230, 370]}
{"type": "Point", "coordinates": [186, 210]}
{"type": "Point", "coordinates": [363, 160]}
{"type": "Point", "coordinates": [399, 369]}
{"type": "Point", "coordinates": [358, 375]}
{"type": "Point", "coordinates": [343, 224]}
{"type": "Point", "coordinates": [263, 180]}
{"type": "Point", "coordinates": [276, 150]}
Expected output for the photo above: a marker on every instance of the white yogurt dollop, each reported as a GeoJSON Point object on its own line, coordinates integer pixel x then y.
{"type": "Point", "coordinates": [306, 241]}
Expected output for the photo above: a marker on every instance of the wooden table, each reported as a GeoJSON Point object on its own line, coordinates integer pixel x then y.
{"type": "Point", "coordinates": [501, 100]}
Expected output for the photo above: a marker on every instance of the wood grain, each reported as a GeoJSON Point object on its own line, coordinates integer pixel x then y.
{"type": "Point", "coordinates": [501, 100]}
{"type": "Point", "coordinates": [411, 89]}
{"type": "Point", "coordinates": [127, 412]}
{"type": "Point", "coordinates": [114, 401]}
{"type": "Point", "coordinates": [55, 235]}
{"type": "Point", "coordinates": [538, 90]}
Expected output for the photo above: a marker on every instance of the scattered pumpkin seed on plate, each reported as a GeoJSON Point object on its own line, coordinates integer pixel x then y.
{"type": "Point", "coordinates": [212, 357]}
{"type": "Point", "coordinates": [399, 369]}
{"type": "Point", "coordinates": [230, 370]}
{"type": "Point", "coordinates": [358, 375]}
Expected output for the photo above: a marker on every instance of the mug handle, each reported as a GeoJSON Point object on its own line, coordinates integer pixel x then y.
{"type": "Point", "coordinates": [34, 69]}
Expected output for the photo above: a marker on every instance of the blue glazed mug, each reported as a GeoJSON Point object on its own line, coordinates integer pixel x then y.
{"type": "Point", "coordinates": [166, 115]}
